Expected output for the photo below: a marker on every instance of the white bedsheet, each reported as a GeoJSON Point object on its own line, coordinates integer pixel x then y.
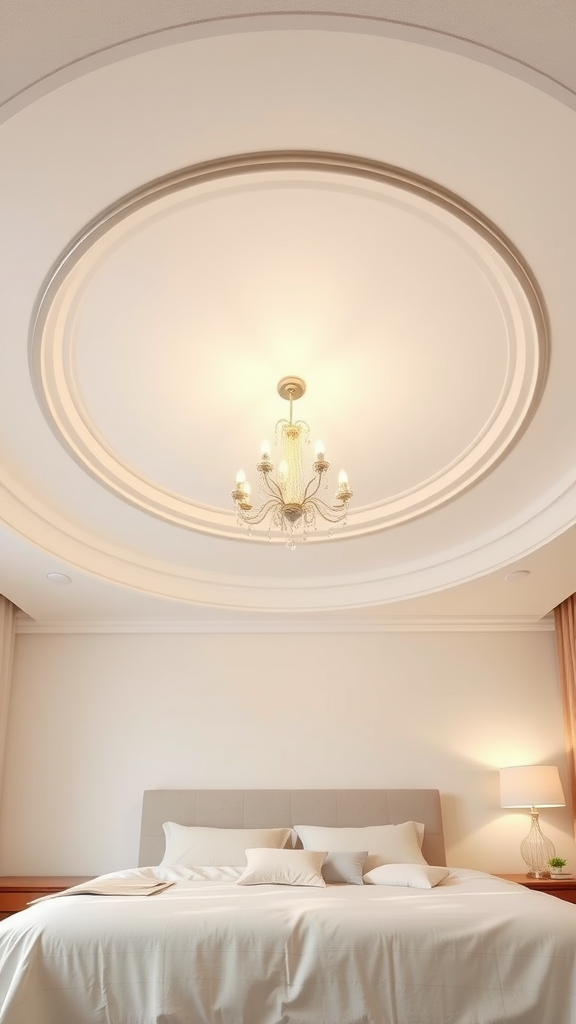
{"type": "Point", "coordinates": [474, 950]}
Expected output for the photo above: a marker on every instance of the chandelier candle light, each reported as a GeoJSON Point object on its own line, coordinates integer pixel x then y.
{"type": "Point", "coordinates": [290, 498]}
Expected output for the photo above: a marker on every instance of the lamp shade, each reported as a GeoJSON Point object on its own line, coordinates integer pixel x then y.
{"type": "Point", "coordinates": [531, 785]}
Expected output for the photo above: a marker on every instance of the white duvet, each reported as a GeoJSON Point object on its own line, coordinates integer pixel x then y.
{"type": "Point", "coordinates": [473, 950]}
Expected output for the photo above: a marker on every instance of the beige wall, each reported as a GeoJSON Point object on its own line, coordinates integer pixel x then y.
{"type": "Point", "coordinates": [96, 719]}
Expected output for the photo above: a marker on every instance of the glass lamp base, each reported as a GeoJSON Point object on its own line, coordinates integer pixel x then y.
{"type": "Point", "coordinates": [536, 850]}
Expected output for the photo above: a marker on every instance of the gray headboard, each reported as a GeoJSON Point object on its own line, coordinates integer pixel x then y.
{"type": "Point", "coordinates": [273, 808]}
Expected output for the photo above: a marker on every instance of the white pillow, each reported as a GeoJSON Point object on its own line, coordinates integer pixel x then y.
{"type": "Point", "coordinates": [418, 876]}
{"type": "Point", "coordinates": [199, 845]}
{"type": "Point", "coordinates": [283, 867]}
{"type": "Point", "coordinates": [386, 844]}
{"type": "Point", "coordinates": [345, 867]}
{"type": "Point", "coordinates": [419, 832]}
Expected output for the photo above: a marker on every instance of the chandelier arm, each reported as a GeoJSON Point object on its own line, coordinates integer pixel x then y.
{"type": "Point", "coordinates": [331, 513]}
{"type": "Point", "coordinates": [318, 481]}
{"type": "Point", "coordinates": [261, 514]}
{"type": "Point", "coordinates": [273, 489]}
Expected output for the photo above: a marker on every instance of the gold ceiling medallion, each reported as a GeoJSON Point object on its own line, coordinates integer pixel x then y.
{"type": "Point", "coordinates": [289, 494]}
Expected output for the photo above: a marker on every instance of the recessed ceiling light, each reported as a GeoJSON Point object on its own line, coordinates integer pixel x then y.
{"type": "Point", "coordinates": [58, 577]}
{"type": "Point", "coordinates": [517, 575]}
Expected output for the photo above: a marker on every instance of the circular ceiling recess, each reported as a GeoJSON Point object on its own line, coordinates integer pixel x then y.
{"type": "Point", "coordinates": [160, 334]}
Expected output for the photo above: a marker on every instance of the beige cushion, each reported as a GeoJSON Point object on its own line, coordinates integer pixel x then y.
{"type": "Point", "coordinates": [419, 876]}
{"type": "Point", "coordinates": [344, 866]}
{"type": "Point", "coordinates": [386, 844]}
{"type": "Point", "coordinates": [200, 846]}
{"type": "Point", "coordinates": [283, 867]}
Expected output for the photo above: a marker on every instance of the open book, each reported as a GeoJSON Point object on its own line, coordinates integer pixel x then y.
{"type": "Point", "coordinates": [110, 887]}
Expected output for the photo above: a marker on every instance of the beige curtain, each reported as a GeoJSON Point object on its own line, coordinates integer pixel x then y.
{"type": "Point", "coordinates": [565, 629]}
{"type": "Point", "coordinates": [7, 635]}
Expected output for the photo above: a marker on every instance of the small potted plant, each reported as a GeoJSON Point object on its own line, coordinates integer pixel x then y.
{"type": "Point", "coordinates": [556, 865]}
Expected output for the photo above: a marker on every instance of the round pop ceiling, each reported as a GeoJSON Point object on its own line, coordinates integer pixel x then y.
{"type": "Point", "coordinates": [399, 281]}
{"type": "Point", "coordinates": [198, 275]}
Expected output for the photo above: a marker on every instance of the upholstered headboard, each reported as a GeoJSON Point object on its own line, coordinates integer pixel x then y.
{"type": "Point", "coordinates": [272, 808]}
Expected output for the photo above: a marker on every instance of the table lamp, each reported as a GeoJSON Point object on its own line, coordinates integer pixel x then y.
{"type": "Point", "coordinates": [533, 786]}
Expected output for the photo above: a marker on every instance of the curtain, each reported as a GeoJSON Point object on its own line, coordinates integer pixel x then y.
{"type": "Point", "coordinates": [7, 635]}
{"type": "Point", "coordinates": [565, 629]}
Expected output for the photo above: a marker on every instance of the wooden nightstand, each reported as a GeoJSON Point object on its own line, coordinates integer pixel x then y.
{"type": "Point", "coordinates": [563, 888]}
{"type": "Point", "coordinates": [17, 890]}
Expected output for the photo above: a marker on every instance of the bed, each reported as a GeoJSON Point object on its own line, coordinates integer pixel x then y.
{"type": "Point", "coordinates": [471, 949]}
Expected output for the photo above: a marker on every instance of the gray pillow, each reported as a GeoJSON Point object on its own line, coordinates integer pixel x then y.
{"type": "Point", "coordinates": [343, 866]}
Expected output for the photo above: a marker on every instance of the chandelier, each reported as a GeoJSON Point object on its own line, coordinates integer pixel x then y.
{"type": "Point", "coordinates": [289, 494]}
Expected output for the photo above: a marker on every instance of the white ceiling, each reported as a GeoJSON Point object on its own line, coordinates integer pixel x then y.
{"type": "Point", "coordinates": [148, 313]}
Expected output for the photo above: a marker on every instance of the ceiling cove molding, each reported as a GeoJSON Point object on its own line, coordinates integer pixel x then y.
{"type": "Point", "coordinates": [298, 20]}
{"type": "Point", "coordinates": [89, 554]}
{"type": "Point", "coordinates": [472, 624]}
{"type": "Point", "coordinates": [51, 339]}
